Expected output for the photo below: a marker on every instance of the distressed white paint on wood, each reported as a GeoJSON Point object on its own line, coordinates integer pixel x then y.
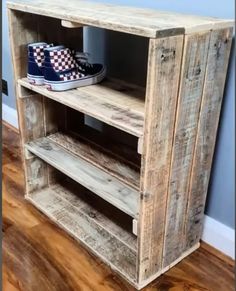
{"type": "Point", "coordinates": [99, 157]}
{"type": "Point", "coordinates": [106, 102]}
{"type": "Point", "coordinates": [217, 64]}
{"type": "Point", "coordinates": [144, 22]}
{"type": "Point", "coordinates": [109, 188]}
{"type": "Point", "coordinates": [86, 229]}
{"type": "Point", "coordinates": [164, 64]}
{"type": "Point", "coordinates": [189, 101]}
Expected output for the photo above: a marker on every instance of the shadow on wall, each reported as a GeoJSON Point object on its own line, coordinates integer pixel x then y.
{"type": "Point", "coordinates": [125, 56]}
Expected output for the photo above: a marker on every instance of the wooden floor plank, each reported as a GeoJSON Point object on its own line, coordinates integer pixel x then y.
{"type": "Point", "coordinates": [37, 254]}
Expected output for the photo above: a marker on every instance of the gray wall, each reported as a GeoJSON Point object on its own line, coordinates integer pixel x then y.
{"type": "Point", "coordinates": [6, 61]}
{"type": "Point", "coordinates": [220, 202]}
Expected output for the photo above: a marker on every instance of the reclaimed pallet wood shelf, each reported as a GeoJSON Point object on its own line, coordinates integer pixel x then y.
{"type": "Point", "coordinates": [123, 166]}
{"type": "Point", "coordinates": [94, 229]}
{"type": "Point", "coordinates": [96, 180]}
{"type": "Point", "coordinates": [110, 160]}
{"type": "Point", "coordinates": [118, 105]}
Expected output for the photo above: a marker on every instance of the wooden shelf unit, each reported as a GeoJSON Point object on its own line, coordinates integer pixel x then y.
{"type": "Point", "coordinates": [118, 105]}
{"type": "Point", "coordinates": [132, 191]}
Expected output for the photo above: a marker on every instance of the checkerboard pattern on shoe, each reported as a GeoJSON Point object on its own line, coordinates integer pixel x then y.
{"type": "Point", "coordinates": [74, 75]}
{"type": "Point", "coordinates": [62, 60]}
{"type": "Point", "coordinates": [38, 53]}
{"type": "Point", "coordinates": [36, 62]}
{"type": "Point", "coordinates": [62, 71]}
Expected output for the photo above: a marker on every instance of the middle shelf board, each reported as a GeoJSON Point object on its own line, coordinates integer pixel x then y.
{"type": "Point", "coordinates": [103, 155]}
{"type": "Point", "coordinates": [91, 177]}
{"type": "Point", "coordinates": [114, 103]}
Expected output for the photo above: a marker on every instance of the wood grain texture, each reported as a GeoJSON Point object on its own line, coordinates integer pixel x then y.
{"type": "Point", "coordinates": [217, 64]}
{"type": "Point", "coordinates": [121, 144]}
{"type": "Point", "coordinates": [30, 109]}
{"type": "Point", "coordinates": [70, 24]}
{"type": "Point", "coordinates": [108, 162]}
{"type": "Point", "coordinates": [190, 95]}
{"type": "Point", "coordinates": [109, 188]}
{"type": "Point", "coordinates": [86, 229]}
{"type": "Point", "coordinates": [162, 91]}
{"type": "Point", "coordinates": [119, 106]}
{"type": "Point", "coordinates": [144, 22]}
{"type": "Point", "coordinates": [37, 253]}
{"type": "Point", "coordinates": [100, 211]}
{"type": "Point", "coordinates": [148, 125]}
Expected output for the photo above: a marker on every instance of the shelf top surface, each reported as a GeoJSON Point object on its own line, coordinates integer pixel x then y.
{"type": "Point", "coordinates": [138, 21]}
{"type": "Point", "coordinates": [95, 179]}
{"type": "Point", "coordinates": [117, 105]}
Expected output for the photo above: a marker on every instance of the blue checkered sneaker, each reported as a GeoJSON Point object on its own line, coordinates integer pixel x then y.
{"type": "Point", "coordinates": [63, 71]}
{"type": "Point", "coordinates": [36, 58]}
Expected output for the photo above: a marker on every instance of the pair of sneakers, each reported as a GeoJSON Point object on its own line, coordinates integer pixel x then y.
{"type": "Point", "coordinates": [60, 68]}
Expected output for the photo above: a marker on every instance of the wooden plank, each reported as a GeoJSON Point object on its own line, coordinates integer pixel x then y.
{"type": "Point", "coordinates": [113, 141]}
{"type": "Point", "coordinates": [32, 122]}
{"type": "Point", "coordinates": [133, 20]}
{"type": "Point", "coordinates": [86, 230]}
{"type": "Point", "coordinates": [140, 145]}
{"type": "Point", "coordinates": [166, 269]}
{"type": "Point", "coordinates": [32, 127]}
{"type": "Point", "coordinates": [135, 227]}
{"type": "Point", "coordinates": [190, 95]}
{"type": "Point", "coordinates": [105, 102]}
{"type": "Point", "coordinates": [29, 108]}
{"type": "Point", "coordinates": [217, 64]}
{"type": "Point", "coordinates": [70, 24]}
{"type": "Point", "coordinates": [81, 200]}
{"type": "Point", "coordinates": [107, 161]}
{"type": "Point", "coordinates": [162, 91]}
{"type": "Point", "coordinates": [104, 185]}
{"type": "Point", "coordinates": [35, 174]}
{"type": "Point", "coordinates": [19, 38]}
{"type": "Point", "coordinates": [54, 116]}
{"type": "Point", "coordinates": [50, 30]}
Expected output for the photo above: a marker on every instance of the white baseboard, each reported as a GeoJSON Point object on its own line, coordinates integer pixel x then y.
{"type": "Point", "coordinates": [215, 233]}
{"type": "Point", "coordinates": [9, 115]}
{"type": "Point", "coordinates": [219, 235]}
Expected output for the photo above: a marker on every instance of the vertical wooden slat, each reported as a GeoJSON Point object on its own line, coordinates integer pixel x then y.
{"type": "Point", "coordinates": [218, 57]}
{"type": "Point", "coordinates": [190, 95]}
{"type": "Point", "coordinates": [23, 30]}
{"type": "Point", "coordinates": [164, 64]}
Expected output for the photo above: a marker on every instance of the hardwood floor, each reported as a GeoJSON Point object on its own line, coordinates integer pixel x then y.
{"type": "Point", "coordinates": [38, 256]}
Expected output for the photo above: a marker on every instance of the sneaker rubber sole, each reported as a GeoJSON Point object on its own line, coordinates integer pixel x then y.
{"type": "Point", "coordinates": [67, 85]}
{"type": "Point", "coordinates": [35, 80]}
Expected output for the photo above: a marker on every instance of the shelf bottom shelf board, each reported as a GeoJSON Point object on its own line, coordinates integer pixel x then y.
{"type": "Point", "coordinates": [96, 180]}
{"type": "Point", "coordinates": [75, 220]}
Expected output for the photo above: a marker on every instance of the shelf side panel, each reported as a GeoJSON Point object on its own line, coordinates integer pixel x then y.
{"type": "Point", "coordinates": [216, 71]}
{"type": "Point", "coordinates": [165, 55]}
{"type": "Point", "coordinates": [190, 95]}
